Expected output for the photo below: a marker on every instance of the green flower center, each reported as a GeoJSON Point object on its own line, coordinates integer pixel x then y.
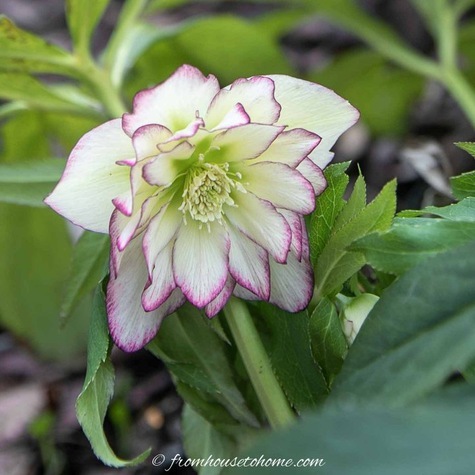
{"type": "Point", "coordinates": [207, 189]}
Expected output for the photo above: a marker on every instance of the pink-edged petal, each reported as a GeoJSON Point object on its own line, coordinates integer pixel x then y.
{"type": "Point", "coordinates": [291, 284]}
{"type": "Point", "coordinates": [189, 131]}
{"type": "Point", "coordinates": [147, 138]}
{"type": "Point", "coordinates": [130, 326]}
{"type": "Point", "coordinates": [162, 281]}
{"type": "Point", "coordinates": [244, 142]}
{"type": "Point", "coordinates": [220, 301]}
{"type": "Point", "coordinates": [259, 220]}
{"type": "Point", "coordinates": [236, 116]}
{"type": "Point", "coordinates": [160, 231]}
{"type": "Point", "coordinates": [314, 175]}
{"type": "Point", "coordinates": [174, 103]}
{"type": "Point", "coordinates": [256, 96]}
{"type": "Point", "coordinates": [290, 147]}
{"type": "Point", "coordinates": [295, 223]}
{"type": "Point", "coordinates": [92, 177]}
{"type": "Point", "coordinates": [249, 264]}
{"type": "Point", "coordinates": [200, 261]}
{"type": "Point", "coordinates": [280, 184]}
{"type": "Point", "coordinates": [315, 108]}
{"type": "Point", "coordinates": [243, 293]}
{"type": "Point", "coordinates": [163, 169]}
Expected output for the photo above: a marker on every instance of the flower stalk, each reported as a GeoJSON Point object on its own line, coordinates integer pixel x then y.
{"type": "Point", "coordinates": [258, 366]}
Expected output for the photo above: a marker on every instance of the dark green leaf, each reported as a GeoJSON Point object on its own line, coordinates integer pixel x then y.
{"type": "Point", "coordinates": [28, 183]}
{"type": "Point", "coordinates": [425, 440]}
{"type": "Point", "coordinates": [329, 344]}
{"type": "Point", "coordinates": [92, 403]}
{"type": "Point", "coordinates": [197, 356]}
{"type": "Point", "coordinates": [411, 241]}
{"type": "Point", "coordinates": [289, 349]}
{"type": "Point", "coordinates": [419, 332]}
{"type": "Point", "coordinates": [88, 268]}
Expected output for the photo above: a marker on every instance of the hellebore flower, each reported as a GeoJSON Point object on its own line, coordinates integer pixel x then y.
{"type": "Point", "coordinates": [203, 192]}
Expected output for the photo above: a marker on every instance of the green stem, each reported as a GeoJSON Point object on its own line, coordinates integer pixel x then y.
{"type": "Point", "coordinates": [446, 34]}
{"type": "Point", "coordinates": [257, 364]}
{"type": "Point", "coordinates": [461, 91]}
{"type": "Point", "coordinates": [99, 81]}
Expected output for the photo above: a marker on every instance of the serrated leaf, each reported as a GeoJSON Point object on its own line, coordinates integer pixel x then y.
{"type": "Point", "coordinates": [83, 17]}
{"type": "Point", "coordinates": [462, 211]}
{"type": "Point", "coordinates": [28, 183]}
{"type": "Point", "coordinates": [336, 264]}
{"type": "Point", "coordinates": [467, 146]}
{"type": "Point", "coordinates": [289, 349]}
{"type": "Point", "coordinates": [356, 203]}
{"type": "Point", "coordinates": [463, 185]}
{"type": "Point", "coordinates": [24, 52]}
{"type": "Point", "coordinates": [420, 332]}
{"type": "Point", "coordinates": [411, 242]}
{"type": "Point", "coordinates": [92, 403]}
{"type": "Point", "coordinates": [329, 204]}
{"type": "Point", "coordinates": [88, 268]}
{"type": "Point", "coordinates": [198, 357]}
{"type": "Point", "coordinates": [329, 344]}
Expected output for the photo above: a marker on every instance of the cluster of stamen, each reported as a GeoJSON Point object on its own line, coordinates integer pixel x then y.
{"type": "Point", "coordinates": [207, 189]}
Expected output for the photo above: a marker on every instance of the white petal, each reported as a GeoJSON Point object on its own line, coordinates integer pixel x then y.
{"type": "Point", "coordinates": [291, 284]}
{"type": "Point", "coordinates": [249, 264]}
{"type": "Point", "coordinates": [313, 174]}
{"type": "Point", "coordinates": [160, 231]}
{"type": "Point", "coordinates": [295, 223]}
{"type": "Point", "coordinates": [92, 177]}
{"type": "Point", "coordinates": [256, 96]}
{"type": "Point", "coordinates": [244, 142]}
{"type": "Point", "coordinates": [235, 117]}
{"type": "Point", "coordinates": [147, 138]}
{"type": "Point", "coordinates": [260, 221]}
{"type": "Point", "coordinates": [200, 261]}
{"type": "Point", "coordinates": [290, 147]}
{"type": "Point", "coordinates": [130, 326]}
{"type": "Point", "coordinates": [220, 301]}
{"type": "Point", "coordinates": [280, 184]}
{"type": "Point", "coordinates": [163, 169]}
{"type": "Point", "coordinates": [243, 293]}
{"type": "Point", "coordinates": [162, 281]}
{"type": "Point", "coordinates": [315, 108]}
{"type": "Point", "coordinates": [175, 102]}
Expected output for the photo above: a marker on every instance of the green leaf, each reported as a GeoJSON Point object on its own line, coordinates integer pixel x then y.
{"type": "Point", "coordinates": [83, 17]}
{"type": "Point", "coordinates": [329, 205]}
{"type": "Point", "coordinates": [28, 183]}
{"type": "Point", "coordinates": [24, 52]}
{"type": "Point", "coordinates": [22, 87]}
{"type": "Point", "coordinates": [92, 403]}
{"type": "Point", "coordinates": [384, 93]}
{"type": "Point", "coordinates": [467, 146]}
{"type": "Point", "coordinates": [463, 185]}
{"type": "Point", "coordinates": [336, 264]}
{"type": "Point", "coordinates": [418, 333]}
{"type": "Point", "coordinates": [355, 204]}
{"type": "Point", "coordinates": [88, 268]}
{"type": "Point", "coordinates": [197, 356]}
{"type": "Point", "coordinates": [434, 438]}
{"type": "Point", "coordinates": [202, 440]}
{"type": "Point", "coordinates": [35, 249]}
{"type": "Point", "coordinates": [411, 240]}
{"type": "Point", "coordinates": [289, 349]}
{"type": "Point", "coordinates": [329, 344]}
